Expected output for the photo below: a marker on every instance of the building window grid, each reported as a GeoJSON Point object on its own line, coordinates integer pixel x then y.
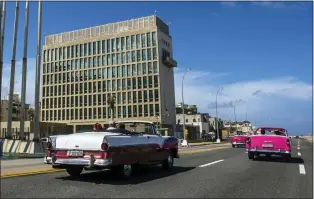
{"type": "Point", "coordinates": [65, 72]}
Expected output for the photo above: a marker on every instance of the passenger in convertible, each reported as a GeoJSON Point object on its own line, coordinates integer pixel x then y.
{"type": "Point", "coordinates": [112, 125]}
{"type": "Point", "coordinates": [278, 133]}
{"type": "Point", "coordinates": [121, 126]}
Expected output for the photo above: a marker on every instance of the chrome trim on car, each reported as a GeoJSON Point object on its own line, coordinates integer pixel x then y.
{"type": "Point", "coordinates": [279, 151]}
{"type": "Point", "coordinates": [84, 161]}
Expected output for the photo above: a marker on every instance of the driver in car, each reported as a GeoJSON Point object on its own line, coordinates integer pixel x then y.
{"type": "Point", "coordinates": [112, 125]}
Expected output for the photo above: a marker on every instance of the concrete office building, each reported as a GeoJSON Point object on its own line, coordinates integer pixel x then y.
{"type": "Point", "coordinates": [129, 60]}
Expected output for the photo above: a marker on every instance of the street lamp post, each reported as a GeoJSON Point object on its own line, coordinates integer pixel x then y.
{"type": "Point", "coordinates": [218, 140]}
{"type": "Point", "coordinates": [184, 136]}
{"type": "Point", "coordinates": [235, 116]}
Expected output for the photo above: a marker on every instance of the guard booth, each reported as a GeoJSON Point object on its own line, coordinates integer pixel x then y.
{"type": "Point", "coordinates": [162, 131]}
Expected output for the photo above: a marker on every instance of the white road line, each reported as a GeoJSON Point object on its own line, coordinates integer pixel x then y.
{"type": "Point", "coordinates": [298, 148]}
{"type": "Point", "coordinates": [211, 163]}
{"type": "Point", "coordinates": [299, 154]}
{"type": "Point", "coordinates": [302, 169]}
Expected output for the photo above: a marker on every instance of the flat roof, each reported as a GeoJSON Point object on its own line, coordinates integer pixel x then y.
{"type": "Point", "coordinates": [106, 29]}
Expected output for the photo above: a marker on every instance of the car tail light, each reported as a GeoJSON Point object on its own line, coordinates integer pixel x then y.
{"type": "Point", "coordinates": [104, 146]}
{"type": "Point", "coordinates": [49, 145]}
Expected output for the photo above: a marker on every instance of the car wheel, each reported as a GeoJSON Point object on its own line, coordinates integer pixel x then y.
{"type": "Point", "coordinates": [126, 171]}
{"type": "Point", "coordinates": [74, 171]}
{"type": "Point", "coordinates": [287, 157]}
{"type": "Point", "coordinates": [168, 163]}
{"type": "Point", "coordinates": [233, 146]}
{"type": "Point", "coordinates": [250, 155]}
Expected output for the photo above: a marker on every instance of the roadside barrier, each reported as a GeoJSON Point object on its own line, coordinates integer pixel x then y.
{"type": "Point", "coordinates": [21, 147]}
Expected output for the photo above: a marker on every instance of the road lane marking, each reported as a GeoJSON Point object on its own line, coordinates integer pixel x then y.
{"type": "Point", "coordinates": [302, 169]}
{"type": "Point", "coordinates": [299, 154]}
{"type": "Point", "coordinates": [298, 148]}
{"type": "Point", "coordinates": [211, 163]}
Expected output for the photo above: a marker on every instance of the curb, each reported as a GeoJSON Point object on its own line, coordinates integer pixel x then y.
{"type": "Point", "coordinates": [46, 171]}
{"type": "Point", "coordinates": [34, 172]}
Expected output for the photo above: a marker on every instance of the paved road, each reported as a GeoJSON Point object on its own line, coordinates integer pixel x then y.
{"type": "Point", "coordinates": [24, 165]}
{"type": "Point", "coordinates": [229, 175]}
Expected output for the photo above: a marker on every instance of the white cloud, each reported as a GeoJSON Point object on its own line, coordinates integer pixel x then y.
{"type": "Point", "coordinates": [269, 4]}
{"type": "Point", "coordinates": [278, 5]}
{"type": "Point", "coordinates": [262, 97]}
{"type": "Point", "coordinates": [30, 80]}
{"type": "Point", "coordinates": [228, 3]}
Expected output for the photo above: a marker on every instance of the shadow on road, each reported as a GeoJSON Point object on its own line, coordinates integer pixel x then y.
{"type": "Point", "coordinates": [140, 176]}
{"type": "Point", "coordinates": [295, 160]}
{"type": "Point", "coordinates": [241, 146]}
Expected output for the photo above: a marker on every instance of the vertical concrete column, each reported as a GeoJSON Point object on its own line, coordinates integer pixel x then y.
{"type": "Point", "coordinates": [74, 128]}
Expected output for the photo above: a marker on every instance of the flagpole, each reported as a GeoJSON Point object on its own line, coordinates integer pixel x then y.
{"type": "Point", "coordinates": [24, 71]}
{"type": "Point", "coordinates": [12, 76]}
{"type": "Point", "coordinates": [2, 25]}
{"type": "Point", "coordinates": [37, 80]}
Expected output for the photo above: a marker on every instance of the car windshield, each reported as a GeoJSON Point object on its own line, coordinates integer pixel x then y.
{"type": "Point", "coordinates": [143, 128]}
{"type": "Point", "coordinates": [272, 132]}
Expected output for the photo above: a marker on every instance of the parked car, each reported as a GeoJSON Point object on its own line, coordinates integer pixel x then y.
{"type": "Point", "coordinates": [118, 149]}
{"type": "Point", "coordinates": [269, 141]}
{"type": "Point", "coordinates": [238, 140]}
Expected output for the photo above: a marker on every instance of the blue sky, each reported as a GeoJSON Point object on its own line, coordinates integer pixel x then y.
{"type": "Point", "coordinates": [242, 46]}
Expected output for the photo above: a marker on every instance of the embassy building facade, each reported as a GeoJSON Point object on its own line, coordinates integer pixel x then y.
{"type": "Point", "coordinates": [129, 60]}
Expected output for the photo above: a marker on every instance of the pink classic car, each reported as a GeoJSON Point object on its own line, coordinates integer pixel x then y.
{"type": "Point", "coordinates": [238, 140]}
{"type": "Point", "coordinates": [269, 141]}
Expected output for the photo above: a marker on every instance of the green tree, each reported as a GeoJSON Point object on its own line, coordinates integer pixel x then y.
{"type": "Point", "coordinates": [111, 102]}
{"type": "Point", "coordinates": [31, 113]}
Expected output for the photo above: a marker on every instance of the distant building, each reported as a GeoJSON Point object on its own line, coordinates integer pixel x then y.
{"type": "Point", "coordinates": [188, 109]}
{"type": "Point", "coordinates": [16, 113]}
{"type": "Point", "coordinates": [244, 126]}
{"type": "Point", "coordinates": [16, 109]}
{"type": "Point", "coordinates": [196, 124]}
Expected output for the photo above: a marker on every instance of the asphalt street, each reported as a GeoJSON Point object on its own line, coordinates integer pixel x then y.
{"type": "Point", "coordinates": [226, 173]}
{"type": "Point", "coordinates": [31, 164]}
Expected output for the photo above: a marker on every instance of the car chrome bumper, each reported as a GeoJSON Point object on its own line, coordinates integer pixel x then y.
{"type": "Point", "coordinates": [238, 143]}
{"type": "Point", "coordinates": [269, 151]}
{"type": "Point", "coordinates": [90, 162]}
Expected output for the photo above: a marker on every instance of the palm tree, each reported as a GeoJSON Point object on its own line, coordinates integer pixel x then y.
{"type": "Point", "coordinates": [31, 113]}
{"type": "Point", "coordinates": [112, 102]}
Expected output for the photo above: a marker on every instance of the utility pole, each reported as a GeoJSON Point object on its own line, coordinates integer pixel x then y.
{"type": "Point", "coordinates": [10, 108]}
{"type": "Point", "coordinates": [217, 125]}
{"type": "Point", "coordinates": [235, 116]}
{"type": "Point", "coordinates": [184, 136]}
{"type": "Point", "coordinates": [24, 71]}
